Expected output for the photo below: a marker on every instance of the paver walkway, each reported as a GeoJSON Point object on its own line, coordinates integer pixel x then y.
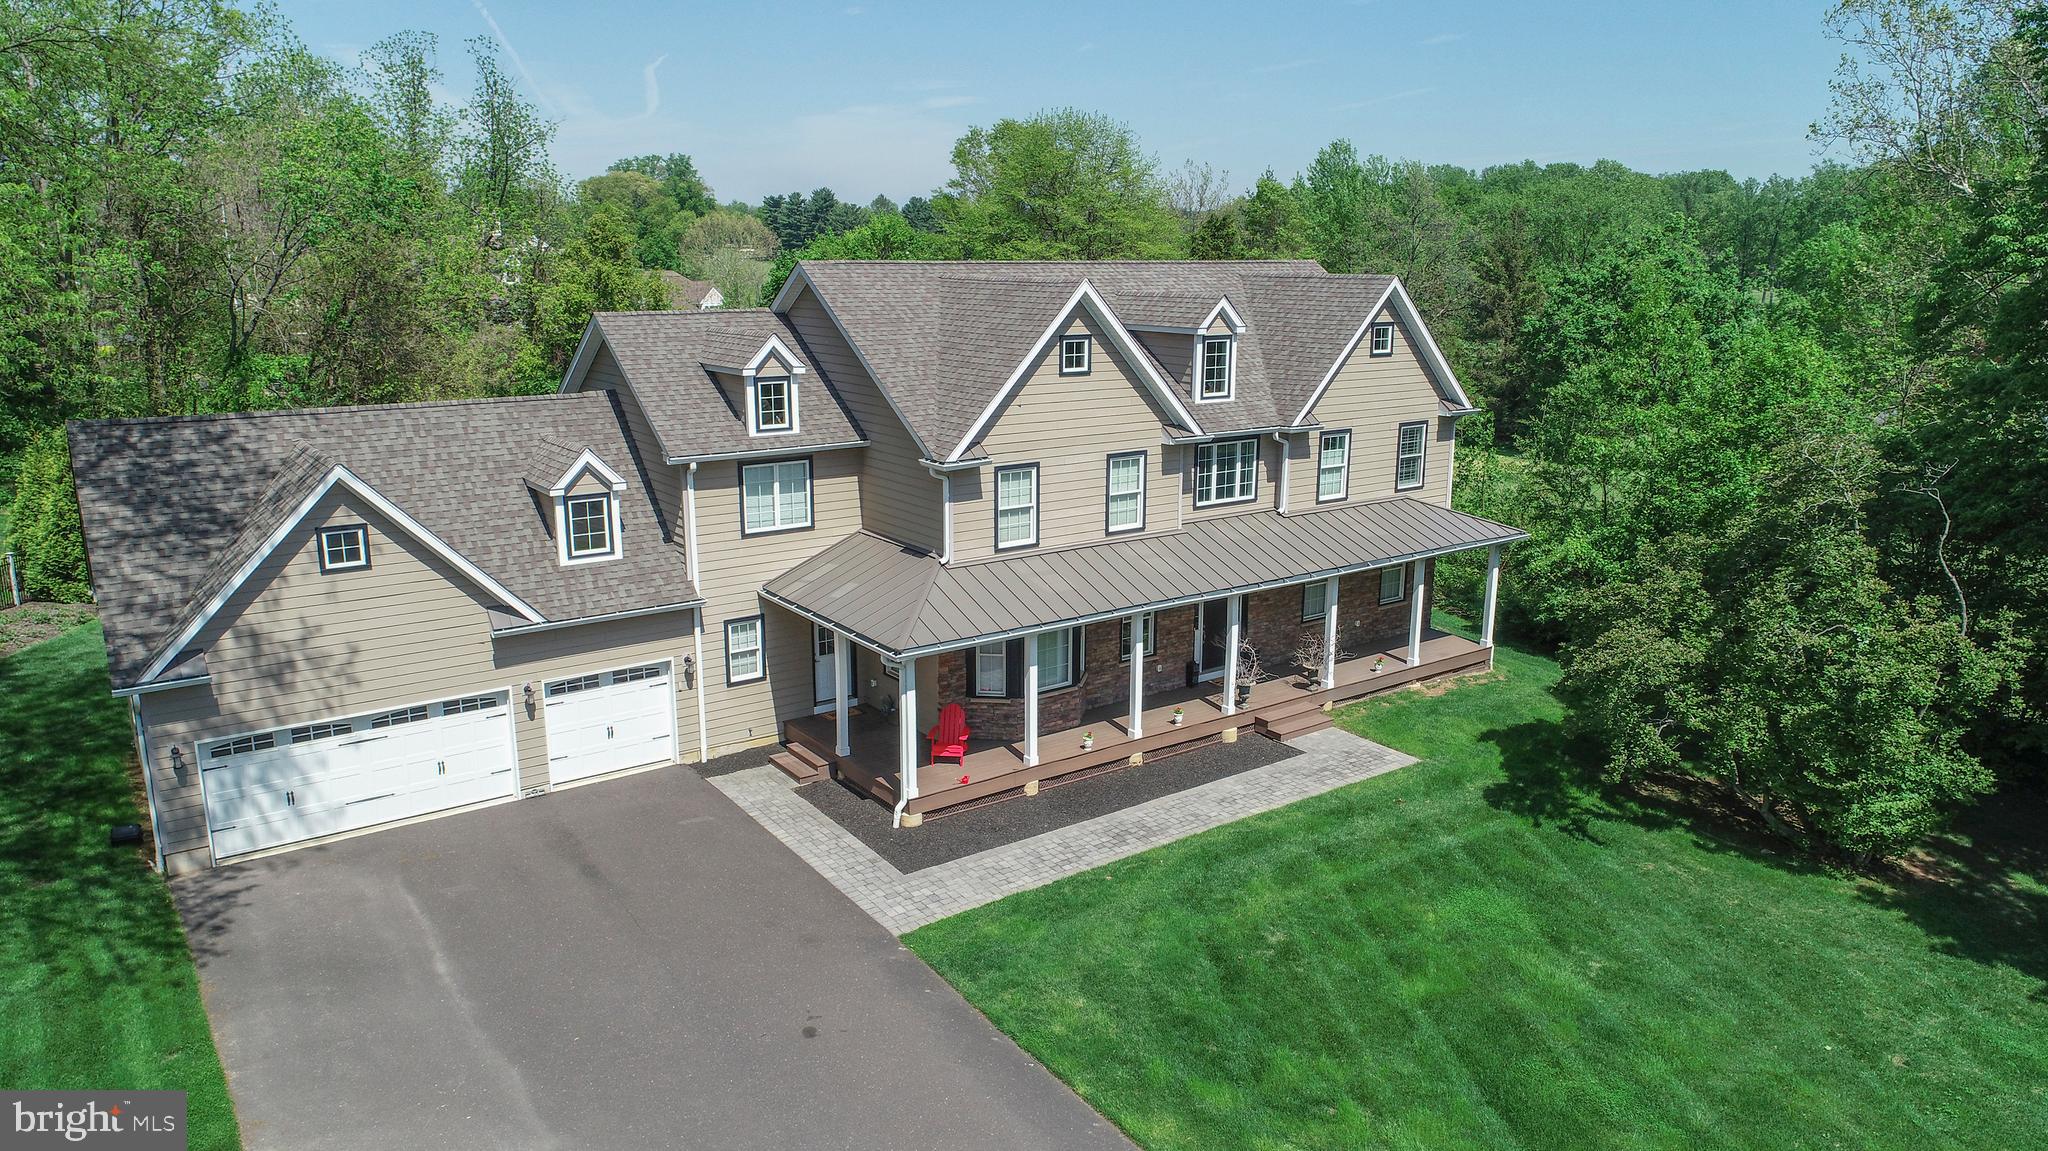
{"type": "Point", "coordinates": [1331, 758]}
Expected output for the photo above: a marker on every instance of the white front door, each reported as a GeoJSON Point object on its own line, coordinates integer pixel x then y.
{"type": "Point", "coordinates": [276, 787]}
{"type": "Point", "coordinates": [609, 721]}
{"type": "Point", "coordinates": [823, 672]}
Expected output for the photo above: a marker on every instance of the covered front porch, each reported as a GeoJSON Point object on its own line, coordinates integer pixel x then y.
{"type": "Point", "coordinates": [1283, 705]}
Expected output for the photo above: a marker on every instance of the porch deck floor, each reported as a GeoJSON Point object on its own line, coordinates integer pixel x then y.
{"type": "Point", "coordinates": [872, 737]}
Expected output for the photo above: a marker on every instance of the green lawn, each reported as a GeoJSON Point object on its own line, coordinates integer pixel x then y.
{"type": "Point", "coordinates": [97, 988]}
{"type": "Point", "coordinates": [1474, 952]}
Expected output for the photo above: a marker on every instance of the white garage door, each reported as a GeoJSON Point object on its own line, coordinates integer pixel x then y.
{"type": "Point", "coordinates": [276, 787]}
{"type": "Point", "coordinates": [610, 721]}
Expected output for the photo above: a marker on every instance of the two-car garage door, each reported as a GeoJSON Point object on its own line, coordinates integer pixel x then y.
{"type": "Point", "coordinates": [274, 787]}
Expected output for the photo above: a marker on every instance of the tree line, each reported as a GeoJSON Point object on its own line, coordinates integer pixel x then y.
{"type": "Point", "coordinates": [1780, 443]}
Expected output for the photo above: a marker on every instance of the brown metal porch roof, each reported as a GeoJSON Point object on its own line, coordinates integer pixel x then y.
{"type": "Point", "coordinates": [903, 601]}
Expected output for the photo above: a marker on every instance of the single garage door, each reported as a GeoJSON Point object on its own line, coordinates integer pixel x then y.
{"type": "Point", "coordinates": [275, 787]}
{"type": "Point", "coordinates": [609, 721]}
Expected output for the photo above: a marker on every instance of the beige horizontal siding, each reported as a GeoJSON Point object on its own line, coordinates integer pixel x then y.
{"type": "Point", "coordinates": [734, 568]}
{"type": "Point", "coordinates": [903, 499]}
{"type": "Point", "coordinates": [1372, 396]}
{"type": "Point", "coordinates": [1265, 496]}
{"type": "Point", "coordinates": [1069, 426]}
{"type": "Point", "coordinates": [296, 646]}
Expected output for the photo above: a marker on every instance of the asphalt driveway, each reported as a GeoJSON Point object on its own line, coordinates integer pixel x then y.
{"type": "Point", "coordinates": [634, 963]}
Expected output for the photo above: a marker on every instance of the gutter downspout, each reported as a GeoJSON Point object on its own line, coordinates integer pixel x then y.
{"type": "Point", "coordinates": [690, 565]}
{"type": "Point", "coordinates": [945, 479]}
{"type": "Point", "coordinates": [156, 838]}
{"type": "Point", "coordinates": [1281, 439]}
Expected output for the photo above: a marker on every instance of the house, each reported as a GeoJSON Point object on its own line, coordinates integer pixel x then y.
{"type": "Point", "coordinates": [687, 294]}
{"type": "Point", "coordinates": [1069, 497]}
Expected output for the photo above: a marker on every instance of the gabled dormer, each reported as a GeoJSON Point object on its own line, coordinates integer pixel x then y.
{"type": "Point", "coordinates": [770, 391]}
{"type": "Point", "coordinates": [582, 499]}
{"type": "Point", "coordinates": [1216, 354]}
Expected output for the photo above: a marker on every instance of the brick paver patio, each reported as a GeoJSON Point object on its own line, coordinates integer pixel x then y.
{"type": "Point", "coordinates": [1331, 758]}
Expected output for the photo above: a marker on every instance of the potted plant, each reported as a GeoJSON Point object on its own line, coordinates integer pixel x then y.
{"type": "Point", "coordinates": [1309, 655]}
{"type": "Point", "coordinates": [1179, 714]}
{"type": "Point", "coordinates": [1248, 671]}
{"type": "Point", "coordinates": [1087, 740]}
{"type": "Point", "coordinates": [1378, 662]}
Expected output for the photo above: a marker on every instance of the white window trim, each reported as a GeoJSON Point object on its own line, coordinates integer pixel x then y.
{"type": "Point", "coordinates": [996, 478]}
{"type": "Point", "coordinates": [756, 427]}
{"type": "Point", "coordinates": [1202, 343]}
{"type": "Point", "coordinates": [1109, 491]}
{"type": "Point", "coordinates": [1400, 576]}
{"type": "Point", "coordinates": [1002, 656]}
{"type": "Point", "coordinates": [810, 497]}
{"type": "Point", "coordinates": [1087, 355]}
{"type": "Point", "coordinates": [759, 649]}
{"type": "Point", "coordinates": [1380, 327]}
{"type": "Point", "coordinates": [1421, 456]}
{"type": "Point", "coordinates": [361, 532]}
{"type": "Point", "coordinates": [1123, 640]}
{"type": "Point", "coordinates": [1315, 585]}
{"type": "Point", "coordinates": [1252, 491]}
{"type": "Point", "coordinates": [1322, 452]}
{"type": "Point", "coordinates": [612, 524]}
{"type": "Point", "coordinates": [1073, 660]}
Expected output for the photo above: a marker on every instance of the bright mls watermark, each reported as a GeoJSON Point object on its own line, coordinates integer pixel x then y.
{"type": "Point", "coordinates": [154, 1120]}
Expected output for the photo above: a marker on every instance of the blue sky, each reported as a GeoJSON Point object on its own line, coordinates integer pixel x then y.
{"type": "Point", "coordinates": [868, 96]}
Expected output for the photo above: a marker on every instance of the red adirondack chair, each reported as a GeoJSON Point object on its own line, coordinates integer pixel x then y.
{"type": "Point", "coordinates": [949, 736]}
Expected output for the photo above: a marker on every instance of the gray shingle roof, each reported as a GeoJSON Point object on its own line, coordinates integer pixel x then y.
{"type": "Point", "coordinates": [173, 507]}
{"type": "Point", "coordinates": [902, 599]}
{"type": "Point", "coordinates": [943, 336]}
{"type": "Point", "coordinates": [666, 356]}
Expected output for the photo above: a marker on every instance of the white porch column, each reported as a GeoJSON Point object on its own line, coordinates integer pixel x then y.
{"type": "Point", "coordinates": [1492, 596]}
{"type": "Point", "coordinates": [907, 734]}
{"type": "Point", "coordinates": [1416, 594]}
{"type": "Point", "coordinates": [1329, 670]}
{"type": "Point", "coordinates": [842, 680]}
{"type": "Point", "coordinates": [1137, 724]}
{"type": "Point", "coordinates": [1031, 700]}
{"type": "Point", "coordinates": [1230, 643]}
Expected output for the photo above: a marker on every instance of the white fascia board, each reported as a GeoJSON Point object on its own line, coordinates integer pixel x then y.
{"type": "Point", "coordinates": [774, 345]}
{"type": "Point", "coordinates": [342, 477]}
{"type": "Point", "coordinates": [1432, 357]}
{"type": "Point", "coordinates": [586, 351]}
{"type": "Point", "coordinates": [1084, 295]}
{"type": "Point", "coordinates": [798, 280]}
{"type": "Point", "coordinates": [1229, 313]}
{"type": "Point", "coordinates": [588, 460]}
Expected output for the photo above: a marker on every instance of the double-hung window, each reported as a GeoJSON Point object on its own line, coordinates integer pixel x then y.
{"type": "Point", "coordinates": [1226, 472]}
{"type": "Point", "coordinates": [773, 411]}
{"type": "Point", "coordinates": [589, 525]}
{"type": "Point", "coordinates": [1126, 492]}
{"type": "Point", "coordinates": [1408, 450]}
{"type": "Point", "coordinates": [1017, 506]}
{"type": "Point", "coordinates": [1124, 638]}
{"type": "Point", "coordinates": [1055, 659]}
{"type": "Point", "coordinates": [1216, 356]}
{"type": "Point", "coordinates": [1393, 583]}
{"type": "Point", "coordinates": [1315, 600]}
{"type": "Point", "coordinates": [1383, 339]}
{"type": "Point", "coordinates": [743, 662]}
{"type": "Point", "coordinates": [1074, 355]}
{"type": "Point", "coordinates": [992, 669]}
{"type": "Point", "coordinates": [344, 548]}
{"type": "Point", "coordinates": [775, 497]}
{"type": "Point", "coordinates": [1333, 466]}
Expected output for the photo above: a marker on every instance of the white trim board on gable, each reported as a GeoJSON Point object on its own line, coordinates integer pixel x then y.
{"type": "Point", "coordinates": [1084, 295]}
{"type": "Point", "coordinates": [339, 476]}
{"type": "Point", "coordinates": [1432, 357]}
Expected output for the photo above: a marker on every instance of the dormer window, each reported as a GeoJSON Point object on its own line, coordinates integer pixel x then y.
{"type": "Point", "coordinates": [773, 411]}
{"type": "Point", "coordinates": [1074, 355]}
{"type": "Point", "coordinates": [1217, 363]}
{"type": "Point", "coordinates": [589, 526]}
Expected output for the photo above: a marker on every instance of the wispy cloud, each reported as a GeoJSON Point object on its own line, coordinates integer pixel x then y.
{"type": "Point", "coordinates": [651, 86]}
{"type": "Point", "coordinates": [518, 65]}
{"type": "Point", "coordinates": [1442, 38]}
{"type": "Point", "coordinates": [1287, 66]}
{"type": "Point", "coordinates": [1390, 97]}
{"type": "Point", "coordinates": [856, 10]}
